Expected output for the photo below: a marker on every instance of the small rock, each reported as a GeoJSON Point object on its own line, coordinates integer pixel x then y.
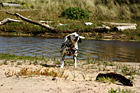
{"type": "Point", "coordinates": [54, 78]}
{"type": "Point", "coordinates": [60, 24]}
{"type": "Point", "coordinates": [88, 23]}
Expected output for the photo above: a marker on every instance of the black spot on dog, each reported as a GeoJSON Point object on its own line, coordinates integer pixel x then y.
{"type": "Point", "coordinates": [80, 40]}
{"type": "Point", "coordinates": [69, 38]}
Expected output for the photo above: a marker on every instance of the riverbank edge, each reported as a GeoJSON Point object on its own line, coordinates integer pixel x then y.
{"type": "Point", "coordinates": [60, 36]}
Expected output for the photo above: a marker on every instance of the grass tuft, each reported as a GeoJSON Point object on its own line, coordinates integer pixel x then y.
{"type": "Point", "coordinates": [7, 56]}
{"type": "Point", "coordinates": [120, 91]}
{"type": "Point", "coordinates": [106, 80]}
{"type": "Point", "coordinates": [127, 70]}
{"type": "Point", "coordinates": [29, 71]}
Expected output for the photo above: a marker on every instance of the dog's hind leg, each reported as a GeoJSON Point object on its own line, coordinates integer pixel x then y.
{"type": "Point", "coordinates": [62, 61]}
{"type": "Point", "coordinates": [75, 61]}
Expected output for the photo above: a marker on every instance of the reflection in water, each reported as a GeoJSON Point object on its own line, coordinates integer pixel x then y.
{"type": "Point", "coordinates": [113, 50]}
{"type": "Point", "coordinates": [49, 48]}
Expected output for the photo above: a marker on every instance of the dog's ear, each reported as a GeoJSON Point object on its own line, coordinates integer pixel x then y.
{"type": "Point", "coordinates": [80, 40]}
{"type": "Point", "coordinates": [68, 38]}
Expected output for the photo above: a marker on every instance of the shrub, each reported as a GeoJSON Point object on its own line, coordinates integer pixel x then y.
{"type": "Point", "coordinates": [75, 13]}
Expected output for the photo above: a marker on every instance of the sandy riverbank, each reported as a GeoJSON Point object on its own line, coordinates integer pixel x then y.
{"type": "Point", "coordinates": [80, 80]}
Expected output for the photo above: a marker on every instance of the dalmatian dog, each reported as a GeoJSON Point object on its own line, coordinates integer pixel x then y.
{"type": "Point", "coordinates": [69, 47]}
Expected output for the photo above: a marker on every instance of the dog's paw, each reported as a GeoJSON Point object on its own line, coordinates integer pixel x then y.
{"type": "Point", "coordinates": [62, 66]}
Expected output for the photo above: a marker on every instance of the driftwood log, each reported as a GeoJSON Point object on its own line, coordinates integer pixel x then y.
{"type": "Point", "coordinates": [10, 4]}
{"type": "Point", "coordinates": [121, 26]}
{"type": "Point", "coordinates": [106, 27]}
{"type": "Point", "coordinates": [102, 28]}
{"type": "Point", "coordinates": [40, 24]}
{"type": "Point", "coordinates": [8, 20]}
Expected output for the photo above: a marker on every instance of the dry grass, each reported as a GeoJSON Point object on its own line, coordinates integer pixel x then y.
{"type": "Point", "coordinates": [31, 71]}
{"type": "Point", "coordinates": [100, 9]}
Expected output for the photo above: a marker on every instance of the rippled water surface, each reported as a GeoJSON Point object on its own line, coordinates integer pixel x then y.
{"type": "Point", "coordinates": [49, 48]}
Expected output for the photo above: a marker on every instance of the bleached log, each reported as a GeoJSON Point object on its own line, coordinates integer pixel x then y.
{"type": "Point", "coordinates": [122, 28]}
{"type": "Point", "coordinates": [8, 20]}
{"type": "Point", "coordinates": [10, 4]}
{"type": "Point", "coordinates": [119, 24]}
{"type": "Point", "coordinates": [46, 22]}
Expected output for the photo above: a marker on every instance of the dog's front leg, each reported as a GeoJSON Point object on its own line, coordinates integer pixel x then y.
{"type": "Point", "coordinates": [62, 61]}
{"type": "Point", "coordinates": [75, 61]}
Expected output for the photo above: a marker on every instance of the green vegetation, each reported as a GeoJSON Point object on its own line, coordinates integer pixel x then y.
{"type": "Point", "coordinates": [19, 63]}
{"type": "Point", "coordinates": [129, 70]}
{"type": "Point", "coordinates": [5, 62]}
{"type": "Point", "coordinates": [75, 13]}
{"type": "Point", "coordinates": [106, 80]}
{"type": "Point", "coordinates": [99, 9]}
{"type": "Point", "coordinates": [7, 56]}
{"type": "Point", "coordinates": [51, 10]}
{"type": "Point", "coordinates": [120, 91]}
{"type": "Point", "coordinates": [105, 65]}
{"type": "Point", "coordinates": [112, 90]}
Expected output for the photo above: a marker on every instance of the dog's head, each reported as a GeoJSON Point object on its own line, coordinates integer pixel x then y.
{"type": "Point", "coordinates": [74, 37]}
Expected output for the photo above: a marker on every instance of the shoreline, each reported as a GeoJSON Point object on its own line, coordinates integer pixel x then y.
{"type": "Point", "coordinates": [61, 36]}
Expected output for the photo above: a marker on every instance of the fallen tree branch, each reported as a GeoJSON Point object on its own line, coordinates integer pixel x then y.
{"type": "Point", "coordinates": [102, 28]}
{"type": "Point", "coordinates": [119, 24]}
{"type": "Point", "coordinates": [8, 20]}
{"type": "Point", "coordinates": [40, 24]}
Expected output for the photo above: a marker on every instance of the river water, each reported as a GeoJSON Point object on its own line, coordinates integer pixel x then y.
{"type": "Point", "coordinates": [49, 48]}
